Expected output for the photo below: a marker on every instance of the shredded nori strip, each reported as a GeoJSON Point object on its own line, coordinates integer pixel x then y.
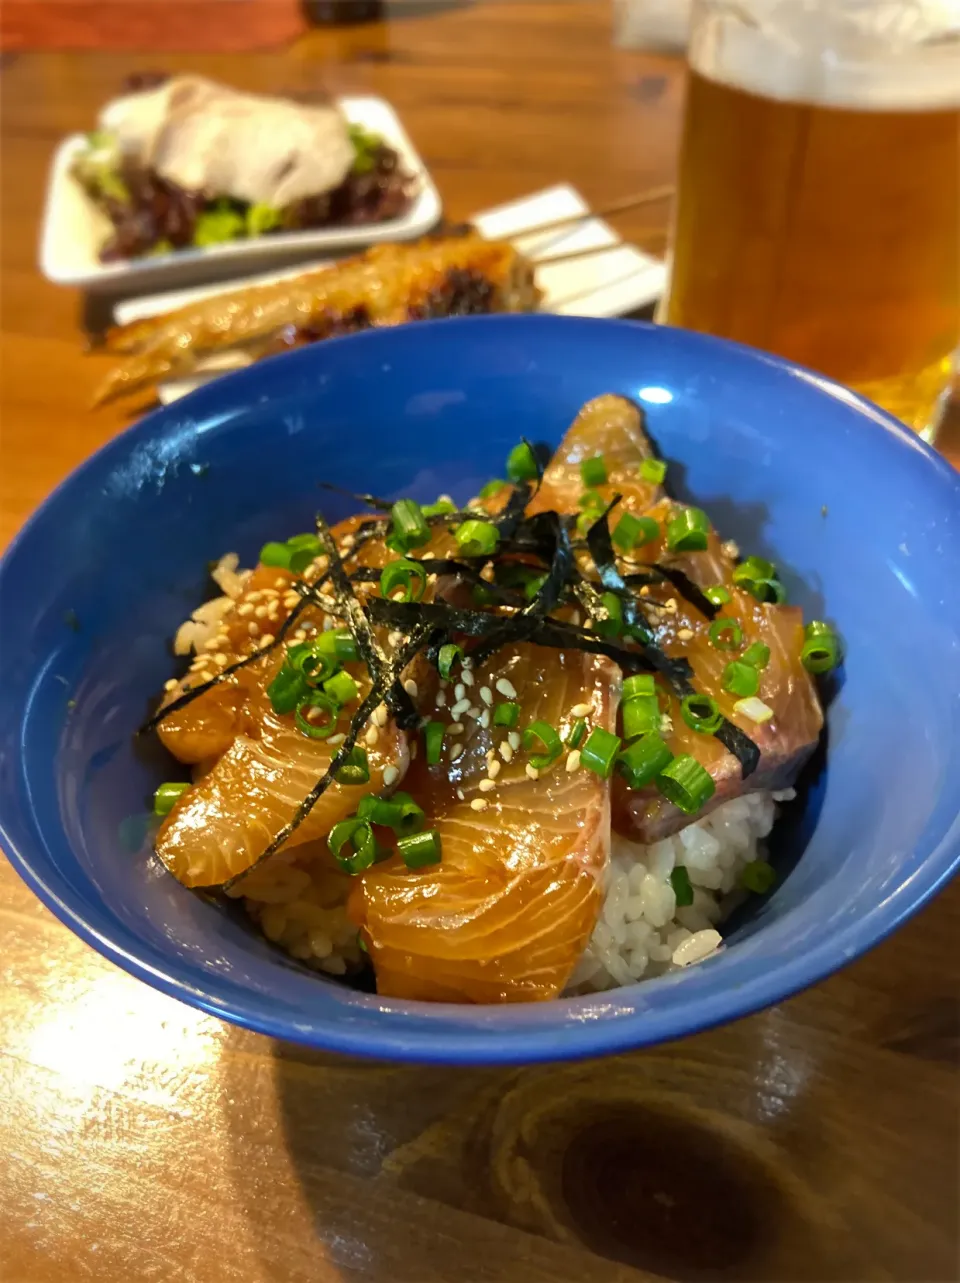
{"type": "Point", "coordinates": [687, 589]}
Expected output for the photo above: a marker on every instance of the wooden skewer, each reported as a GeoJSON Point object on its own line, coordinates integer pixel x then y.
{"type": "Point", "coordinates": [592, 250]}
{"type": "Point", "coordinates": [616, 207]}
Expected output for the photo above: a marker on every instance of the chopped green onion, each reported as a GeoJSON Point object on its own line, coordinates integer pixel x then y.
{"type": "Point", "coordinates": [275, 554]}
{"type": "Point", "coordinates": [701, 713]}
{"type": "Point", "coordinates": [599, 753]}
{"type": "Point", "coordinates": [680, 881]}
{"type": "Point", "coordinates": [166, 797]}
{"type": "Point", "coordinates": [576, 733]}
{"type": "Point", "coordinates": [316, 699]}
{"type": "Point", "coordinates": [315, 661]}
{"type": "Point", "coordinates": [449, 655]}
{"type": "Point", "coordinates": [482, 595]}
{"type": "Point", "coordinates": [757, 654]}
{"type": "Point", "coordinates": [356, 836]}
{"type": "Point", "coordinates": [758, 577]}
{"type": "Point", "coordinates": [533, 586]}
{"type": "Point", "coordinates": [302, 551]}
{"type": "Point", "coordinates": [591, 501]}
{"type": "Point", "coordinates": [399, 812]}
{"type": "Point", "coordinates": [433, 734]}
{"type": "Point", "coordinates": [545, 734]}
{"type": "Point", "coordinates": [639, 684]}
{"type": "Point", "coordinates": [726, 634]}
{"type": "Point", "coordinates": [405, 574]}
{"type": "Point", "coordinates": [355, 769]}
{"type": "Point", "coordinates": [262, 218]}
{"type": "Point", "coordinates": [341, 688]}
{"type": "Point", "coordinates": [641, 714]}
{"type": "Point", "coordinates": [506, 714]}
{"type": "Point", "coordinates": [491, 488]}
{"type": "Point", "coordinates": [688, 530]}
{"type": "Point", "coordinates": [344, 645]}
{"type": "Point", "coordinates": [654, 471]}
{"type": "Point", "coordinates": [632, 532]}
{"type": "Point", "coordinates": [740, 678]}
{"type": "Point", "coordinates": [438, 509]}
{"type": "Point", "coordinates": [287, 689]}
{"type": "Point", "coordinates": [612, 625]}
{"type": "Point", "coordinates": [420, 849]}
{"type": "Point", "coordinates": [409, 529]}
{"type": "Point", "coordinates": [755, 709]}
{"type": "Point", "coordinates": [758, 876]}
{"type": "Point", "coordinates": [717, 594]}
{"type": "Point", "coordinates": [522, 463]}
{"type": "Point", "coordinates": [593, 471]}
{"type": "Point", "coordinates": [643, 760]}
{"type": "Point", "coordinates": [686, 783]}
{"type": "Point", "coordinates": [821, 648]}
{"type": "Point", "coordinates": [477, 538]}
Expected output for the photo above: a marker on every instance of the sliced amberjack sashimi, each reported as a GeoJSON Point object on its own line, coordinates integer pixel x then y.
{"type": "Point", "coordinates": [613, 427]}
{"type": "Point", "coordinates": [227, 820]}
{"type": "Point", "coordinates": [507, 913]}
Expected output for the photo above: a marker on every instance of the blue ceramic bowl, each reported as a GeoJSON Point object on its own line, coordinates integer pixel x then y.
{"type": "Point", "coordinates": [863, 519]}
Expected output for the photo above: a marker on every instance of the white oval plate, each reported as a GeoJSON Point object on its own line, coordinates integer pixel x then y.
{"type": "Point", "coordinates": [74, 229]}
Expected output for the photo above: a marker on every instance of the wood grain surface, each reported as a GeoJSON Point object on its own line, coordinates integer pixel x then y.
{"type": "Point", "coordinates": [142, 1140]}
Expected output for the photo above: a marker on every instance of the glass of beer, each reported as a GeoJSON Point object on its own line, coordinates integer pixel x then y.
{"type": "Point", "coordinates": [818, 205]}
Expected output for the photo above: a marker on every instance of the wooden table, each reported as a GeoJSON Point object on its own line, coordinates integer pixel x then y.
{"type": "Point", "coordinates": [142, 1140]}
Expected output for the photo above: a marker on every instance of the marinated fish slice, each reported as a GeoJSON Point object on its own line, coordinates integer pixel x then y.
{"type": "Point", "coordinates": [610, 426]}
{"type": "Point", "coordinates": [221, 827]}
{"type": "Point", "coordinates": [507, 913]}
{"type": "Point", "coordinates": [264, 766]}
{"type": "Point", "coordinates": [386, 285]}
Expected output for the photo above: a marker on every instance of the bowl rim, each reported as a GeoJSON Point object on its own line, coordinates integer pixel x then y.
{"type": "Point", "coordinates": [578, 1031]}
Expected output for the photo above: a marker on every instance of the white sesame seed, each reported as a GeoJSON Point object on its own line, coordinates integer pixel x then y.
{"type": "Point", "coordinates": [372, 735]}
{"type": "Point", "coordinates": [731, 548]}
{"type": "Point", "coordinates": [441, 699]}
{"type": "Point", "coordinates": [468, 678]}
{"type": "Point", "coordinates": [300, 635]}
{"type": "Point", "coordinates": [254, 596]}
{"type": "Point", "coordinates": [454, 751]}
{"type": "Point", "coordinates": [486, 694]}
{"type": "Point", "coordinates": [506, 688]}
{"type": "Point", "coordinates": [313, 714]}
{"type": "Point", "coordinates": [588, 625]}
{"type": "Point", "coordinates": [390, 776]}
{"type": "Point", "coordinates": [573, 760]}
{"type": "Point", "coordinates": [575, 619]}
{"type": "Point", "coordinates": [486, 785]}
{"type": "Point", "coordinates": [455, 728]}
{"type": "Point", "coordinates": [266, 640]}
{"type": "Point", "coordinates": [171, 684]}
{"type": "Point", "coordinates": [484, 719]}
{"type": "Point", "coordinates": [211, 644]}
{"type": "Point", "coordinates": [327, 602]}
{"type": "Point", "coordinates": [399, 594]}
{"type": "Point", "coordinates": [506, 751]}
{"type": "Point", "coordinates": [684, 634]}
{"type": "Point", "coordinates": [459, 690]}
{"type": "Point", "coordinates": [279, 583]}
{"type": "Point", "coordinates": [348, 541]}
{"type": "Point", "coordinates": [493, 768]}
{"type": "Point", "coordinates": [670, 605]}
{"type": "Point", "coordinates": [261, 612]}
{"type": "Point", "coordinates": [253, 628]}
{"type": "Point", "coordinates": [473, 713]}
{"type": "Point", "coordinates": [291, 600]}
{"type": "Point", "coordinates": [532, 772]}
{"type": "Point", "coordinates": [380, 715]}
{"type": "Point", "coordinates": [478, 804]}
{"type": "Point", "coordinates": [334, 740]}
{"type": "Point", "coordinates": [460, 707]}
{"type": "Point", "coordinates": [410, 686]}
{"type": "Point", "coordinates": [666, 724]}
{"type": "Point", "coordinates": [220, 658]}
{"type": "Point", "coordinates": [245, 609]}
{"type": "Point", "coordinates": [513, 739]}
{"type": "Point", "coordinates": [466, 663]}
{"type": "Point", "coordinates": [460, 794]}
{"type": "Point", "coordinates": [394, 638]}
{"type": "Point", "coordinates": [580, 710]}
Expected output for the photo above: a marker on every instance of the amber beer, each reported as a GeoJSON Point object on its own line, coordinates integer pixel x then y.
{"type": "Point", "coordinates": [825, 231]}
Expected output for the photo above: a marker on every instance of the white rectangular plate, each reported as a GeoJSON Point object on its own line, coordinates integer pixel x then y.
{"type": "Point", "coordinates": [74, 229]}
{"type": "Point", "coordinates": [617, 279]}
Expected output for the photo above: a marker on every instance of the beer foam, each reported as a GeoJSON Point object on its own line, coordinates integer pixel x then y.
{"type": "Point", "coordinates": [884, 55]}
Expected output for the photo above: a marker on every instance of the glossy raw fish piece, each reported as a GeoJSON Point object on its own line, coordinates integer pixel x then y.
{"type": "Point", "coordinates": [613, 427]}
{"type": "Point", "coordinates": [256, 766]}
{"type": "Point", "coordinates": [507, 913]}
{"type": "Point", "coordinates": [223, 825]}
